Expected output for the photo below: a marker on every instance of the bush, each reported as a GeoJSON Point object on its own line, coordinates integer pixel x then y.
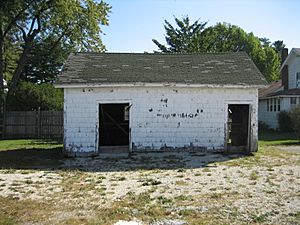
{"type": "Point", "coordinates": [30, 96]}
{"type": "Point", "coordinates": [285, 122]}
{"type": "Point", "coordinates": [295, 118]}
{"type": "Point", "coordinates": [263, 126]}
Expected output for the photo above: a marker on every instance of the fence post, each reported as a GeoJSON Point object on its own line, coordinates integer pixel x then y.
{"type": "Point", "coordinates": [38, 122]}
{"type": "Point", "coordinates": [2, 121]}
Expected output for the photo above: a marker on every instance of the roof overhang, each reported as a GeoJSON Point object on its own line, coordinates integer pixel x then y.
{"type": "Point", "coordinates": [138, 84]}
{"type": "Point", "coordinates": [278, 96]}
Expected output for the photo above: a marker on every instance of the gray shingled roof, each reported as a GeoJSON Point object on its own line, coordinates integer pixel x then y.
{"type": "Point", "coordinates": [290, 92]}
{"type": "Point", "coordinates": [130, 68]}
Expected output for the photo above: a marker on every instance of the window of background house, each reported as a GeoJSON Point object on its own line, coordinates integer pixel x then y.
{"type": "Point", "coordinates": [293, 102]}
{"type": "Point", "coordinates": [298, 80]}
{"type": "Point", "coordinates": [271, 104]}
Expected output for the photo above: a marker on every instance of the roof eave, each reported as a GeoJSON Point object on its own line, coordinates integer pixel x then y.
{"type": "Point", "coordinates": [140, 84]}
{"type": "Point", "coordinates": [278, 96]}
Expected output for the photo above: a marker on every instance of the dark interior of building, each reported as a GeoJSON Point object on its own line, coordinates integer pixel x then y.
{"type": "Point", "coordinates": [113, 124]}
{"type": "Point", "coordinates": [238, 120]}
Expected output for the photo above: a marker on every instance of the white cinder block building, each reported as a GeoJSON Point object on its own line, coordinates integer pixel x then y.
{"type": "Point", "coordinates": [151, 102]}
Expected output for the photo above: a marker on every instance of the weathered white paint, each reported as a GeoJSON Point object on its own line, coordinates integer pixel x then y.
{"type": "Point", "coordinates": [160, 117]}
{"type": "Point", "coordinates": [139, 84]}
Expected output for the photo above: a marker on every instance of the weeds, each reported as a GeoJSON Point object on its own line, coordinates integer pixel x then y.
{"type": "Point", "coordinates": [254, 175]}
{"type": "Point", "coordinates": [151, 182]}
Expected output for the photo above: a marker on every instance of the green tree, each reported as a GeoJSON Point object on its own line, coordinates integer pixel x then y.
{"type": "Point", "coordinates": [68, 22]}
{"type": "Point", "coordinates": [31, 96]}
{"type": "Point", "coordinates": [185, 38]}
{"type": "Point", "coordinates": [44, 62]}
{"type": "Point", "coordinates": [222, 37]}
{"type": "Point", "coordinates": [265, 42]}
{"type": "Point", "coordinates": [278, 46]}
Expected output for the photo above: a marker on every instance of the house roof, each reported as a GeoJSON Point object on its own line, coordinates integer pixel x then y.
{"type": "Point", "coordinates": [270, 89]}
{"type": "Point", "coordinates": [289, 92]}
{"type": "Point", "coordinates": [85, 69]}
{"type": "Point", "coordinates": [294, 52]}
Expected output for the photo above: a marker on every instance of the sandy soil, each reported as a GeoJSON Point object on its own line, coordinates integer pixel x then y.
{"type": "Point", "coordinates": [269, 187]}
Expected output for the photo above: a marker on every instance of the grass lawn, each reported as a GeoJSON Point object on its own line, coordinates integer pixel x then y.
{"type": "Point", "coordinates": [39, 186]}
{"type": "Point", "coordinates": [273, 138]}
{"type": "Point", "coordinates": [28, 144]}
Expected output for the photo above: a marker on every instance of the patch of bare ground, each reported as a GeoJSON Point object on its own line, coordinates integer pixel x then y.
{"type": "Point", "coordinates": [157, 188]}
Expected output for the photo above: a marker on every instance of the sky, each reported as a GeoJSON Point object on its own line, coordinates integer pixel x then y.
{"type": "Point", "coordinates": [134, 23]}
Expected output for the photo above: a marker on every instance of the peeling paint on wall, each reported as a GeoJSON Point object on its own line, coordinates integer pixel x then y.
{"type": "Point", "coordinates": [161, 118]}
{"type": "Point", "coordinates": [180, 115]}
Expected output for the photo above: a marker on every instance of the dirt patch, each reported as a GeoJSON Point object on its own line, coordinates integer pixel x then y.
{"type": "Point", "coordinates": [293, 148]}
{"type": "Point", "coordinates": [157, 187]}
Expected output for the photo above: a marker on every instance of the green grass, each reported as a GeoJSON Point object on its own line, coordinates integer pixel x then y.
{"type": "Point", "coordinates": [268, 153]}
{"type": "Point", "coordinates": [273, 138]}
{"type": "Point", "coordinates": [28, 144]}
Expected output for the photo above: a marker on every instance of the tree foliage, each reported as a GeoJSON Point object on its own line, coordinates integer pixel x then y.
{"type": "Point", "coordinates": [222, 37]}
{"type": "Point", "coordinates": [185, 38]}
{"type": "Point", "coordinates": [44, 63]}
{"type": "Point", "coordinates": [30, 96]}
{"type": "Point", "coordinates": [29, 25]}
{"type": "Point", "coordinates": [278, 46]}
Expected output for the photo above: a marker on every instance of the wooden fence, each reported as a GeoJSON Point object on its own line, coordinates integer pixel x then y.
{"type": "Point", "coordinates": [33, 124]}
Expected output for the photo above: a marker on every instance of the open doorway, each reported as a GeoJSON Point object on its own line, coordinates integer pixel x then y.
{"type": "Point", "coordinates": [238, 127]}
{"type": "Point", "coordinates": [114, 126]}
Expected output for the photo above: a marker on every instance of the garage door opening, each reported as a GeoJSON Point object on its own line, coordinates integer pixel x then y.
{"type": "Point", "coordinates": [114, 125]}
{"type": "Point", "coordinates": [238, 127]}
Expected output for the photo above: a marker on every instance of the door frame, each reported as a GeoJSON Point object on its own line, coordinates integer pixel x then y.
{"type": "Point", "coordinates": [250, 107]}
{"type": "Point", "coordinates": [113, 101]}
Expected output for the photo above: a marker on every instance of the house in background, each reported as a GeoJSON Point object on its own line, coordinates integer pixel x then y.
{"type": "Point", "coordinates": [159, 102]}
{"type": "Point", "coordinates": [284, 94]}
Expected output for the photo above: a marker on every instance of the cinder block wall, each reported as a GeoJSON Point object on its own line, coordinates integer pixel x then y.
{"type": "Point", "coordinates": [160, 117]}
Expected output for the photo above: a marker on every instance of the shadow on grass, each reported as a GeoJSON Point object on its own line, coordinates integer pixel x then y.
{"type": "Point", "coordinates": [31, 158]}
{"type": "Point", "coordinates": [53, 159]}
{"type": "Point", "coordinates": [270, 137]}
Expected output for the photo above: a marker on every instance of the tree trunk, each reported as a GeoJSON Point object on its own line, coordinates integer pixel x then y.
{"type": "Point", "coordinates": [17, 73]}
{"type": "Point", "coordinates": [2, 97]}
{"type": "Point", "coordinates": [1, 63]}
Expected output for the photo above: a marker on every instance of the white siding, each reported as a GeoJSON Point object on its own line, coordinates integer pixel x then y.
{"type": "Point", "coordinates": [159, 117]}
{"type": "Point", "coordinates": [294, 67]}
{"type": "Point", "coordinates": [268, 117]}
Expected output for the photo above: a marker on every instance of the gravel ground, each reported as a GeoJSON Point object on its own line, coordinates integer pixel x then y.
{"type": "Point", "coordinates": [293, 148]}
{"type": "Point", "coordinates": [239, 189]}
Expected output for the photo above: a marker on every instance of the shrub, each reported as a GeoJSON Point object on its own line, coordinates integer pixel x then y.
{"type": "Point", "coordinates": [295, 119]}
{"type": "Point", "coordinates": [284, 122]}
{"type": "Point", "coordinates": [30, 96]}
{"type": "Point", "coordinates": [263, 126]}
